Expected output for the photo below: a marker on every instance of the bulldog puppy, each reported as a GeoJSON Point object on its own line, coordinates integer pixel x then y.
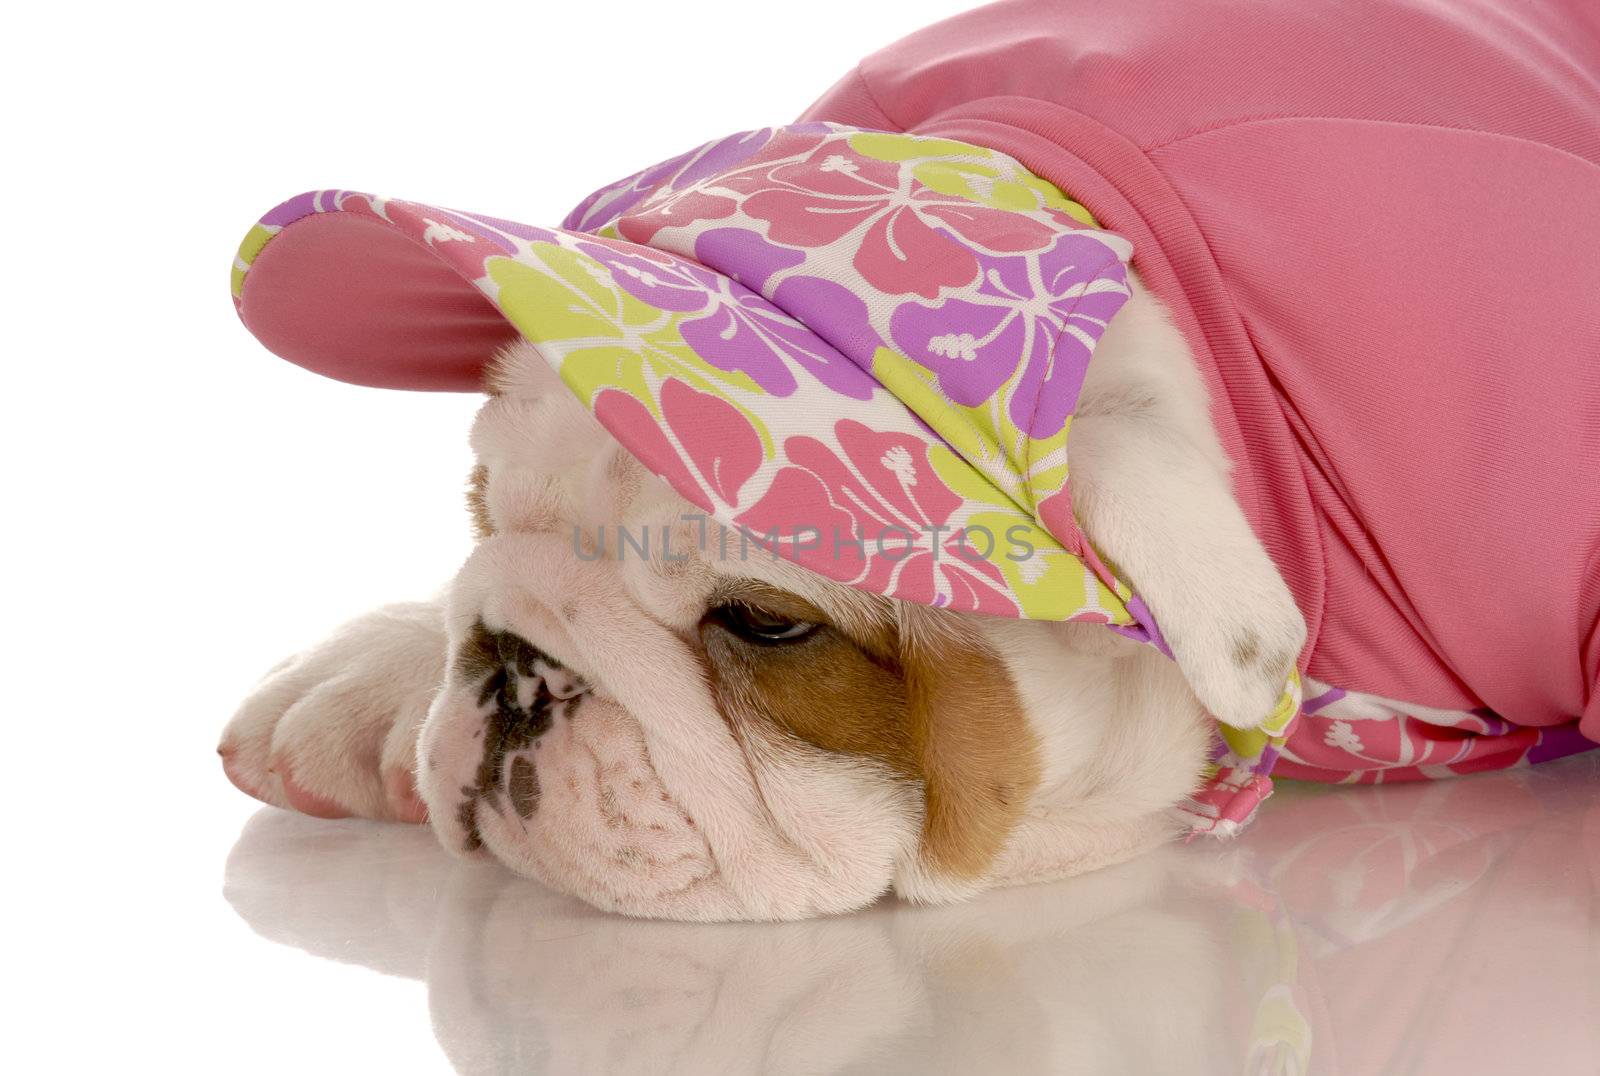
{"type": "Point", "coordinates": [663, 719]}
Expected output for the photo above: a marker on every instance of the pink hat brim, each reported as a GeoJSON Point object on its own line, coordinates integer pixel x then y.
{"type": "Point", "coordinates": [366, 299]}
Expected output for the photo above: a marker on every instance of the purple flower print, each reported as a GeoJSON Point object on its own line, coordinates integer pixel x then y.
{"type": "Point", "coordinates": [1046, 313]}
{"type": "Point", "coordinates": [742, 255]}
{"type": "Point", "coordinates": [838, 316]}
{"type": "Point", "coordinates": [606, 205]}
{"type": "Point", "coordinates": [827, 309]}
{"type": "Point", "coordinates": [738, 330]}
{"type": "Point", "coordinates": [656, 279]}
{"type": "Point", "coordinates": [745, 332]}
{"type": "Point", "coordinates": [739, 335]}
{"type": "Point", "coordinates": [972, 347]}
{"type": "Point", "coordinates": [720, 156]}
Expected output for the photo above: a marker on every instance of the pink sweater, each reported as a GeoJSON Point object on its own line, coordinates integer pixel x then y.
{"type": "Point", "coordinates": [1378, 224]}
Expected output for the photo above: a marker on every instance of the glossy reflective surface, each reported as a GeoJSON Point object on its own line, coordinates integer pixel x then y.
{"type": "Point", "coordinates": [1452, 928]}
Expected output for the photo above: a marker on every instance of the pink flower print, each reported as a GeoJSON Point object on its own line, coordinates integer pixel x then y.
{"type": "Point", "coordinates": [836, 191]}
{"type": "Point", "coordinates": [675, 211]}
{"type": "Point", "coordinates": [882, 491]}
{"type": "Point", "coordinates": [717, 441]}
{"type": "Point", "coordinates": [907, 246]}
{"type": "Point", "coordinates": [1000, 230]}
{"type": "Point", "coordinates": [722, 444]}
{"type": "Point", "coordinates": [633, 424]}
{"type": "Point", "coordinates": [827, 166]}
{"type": "Point", "coordinates": [1055, 515]}
{"type": "Point", "coordinates": [606, 204]}
{"type": "Point", "coordinates": [902, 254]}
{"type": "Point", "coordinates": [679, 173]}
{"type": "Point", "coordinates": [1341, 735]}
{"type": "Point", "coordinates": [496, 229]}
{"type": "Point", "coordinates": [821, 200]}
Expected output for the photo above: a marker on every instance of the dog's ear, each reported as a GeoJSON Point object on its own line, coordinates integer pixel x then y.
{"type": "Point", "coordinates": [978, 757]}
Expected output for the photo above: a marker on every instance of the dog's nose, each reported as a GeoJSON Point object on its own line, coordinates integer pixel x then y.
{"type": "Point", "coordinates": [522, 692]}
{"type": "Point", "coordinates": [525, 685]}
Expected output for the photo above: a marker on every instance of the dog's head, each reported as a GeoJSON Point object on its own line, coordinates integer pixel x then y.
{"type": "Point", "coordinates": [652, 713]}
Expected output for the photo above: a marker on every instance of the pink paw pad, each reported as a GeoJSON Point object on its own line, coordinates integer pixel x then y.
{"type": "Point", "coordinates": [303, 799]}
{"type": "Point", "coordinates": [400, 789]}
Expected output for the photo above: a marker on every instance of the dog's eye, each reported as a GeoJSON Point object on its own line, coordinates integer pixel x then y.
{"type": "Point", "coordinates": [760, 625]}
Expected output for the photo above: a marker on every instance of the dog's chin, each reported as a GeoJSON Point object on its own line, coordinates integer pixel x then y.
{"type": "Point", "coordinates": [579, 809]}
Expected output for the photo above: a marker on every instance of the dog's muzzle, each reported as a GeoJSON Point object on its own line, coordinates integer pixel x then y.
{"type": "Point", "coordinates": [522, 692]}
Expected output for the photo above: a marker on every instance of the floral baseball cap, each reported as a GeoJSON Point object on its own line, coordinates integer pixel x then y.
{"type": "Point", "coordinates": [861, 349]}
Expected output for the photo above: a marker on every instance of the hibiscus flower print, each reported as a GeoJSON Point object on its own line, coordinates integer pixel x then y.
{"type": "Point", "coordinates": [730, 326]}
{"type": "Point", "coordinates": [744, 332]}
{"type": "Point", "coordinates": [655, 279]}
{"type": "Point", "coordinates": [702, 446]}
{"type": "Point", "coordinates": [912, 239]}
{"type": "Point", "coordinates": [589, 319]}
{"type": "Point", "coordinates": [883, 519]}
{"type": "Point", "coordinates": [660, 183]}
{"type": "Point", "coordinates": [1342, 736]}
{"type": "Point", "coordinates": [1030, 330]}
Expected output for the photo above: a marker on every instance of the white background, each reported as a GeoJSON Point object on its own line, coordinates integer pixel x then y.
{"type": "Point", "coordinates": [183, 509]}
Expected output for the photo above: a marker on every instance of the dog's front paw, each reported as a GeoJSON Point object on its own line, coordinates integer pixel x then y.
{"type": "Point", "coordinates": [332, 732]}
{"type": "Point", "coordinates": [1239, 654]}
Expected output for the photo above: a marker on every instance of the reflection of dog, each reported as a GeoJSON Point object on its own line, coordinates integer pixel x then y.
{"type": "Point", "coordinates": [520, 979]}
{"type": "Point", "coordinates": [704, 738]}
{"type": "Point", "coordinates": [1181, 960]}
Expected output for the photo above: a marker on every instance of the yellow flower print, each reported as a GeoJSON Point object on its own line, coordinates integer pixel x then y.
{"type": "Point", "coordinates": [1023, 468]}
{"type": "Point", "coordinates": [605, 338]}
{"type": "Point", "coordinates": [972, 173]}
{"type": "Point", "coordinates": [1049, 582]}
{"type": "Point", "coordinates": [901, 147]}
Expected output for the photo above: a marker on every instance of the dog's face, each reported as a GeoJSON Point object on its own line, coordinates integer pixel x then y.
{"type": "Point", "coordinates": [697, 730]}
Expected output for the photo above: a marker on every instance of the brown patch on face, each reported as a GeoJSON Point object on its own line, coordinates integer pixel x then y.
{"type": "Point", "coordinates": [829, 690]}
{"type": "Point", "coordinates": [478, 502]}
{"type": "Point", "coordinates": [980, 759]}
{"type": "Point", "coordinates": [523, 786]}
{"type": "Point", "coordinates": [479, 654]}
{"type": "Point", "coordinates": [935, 707]}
